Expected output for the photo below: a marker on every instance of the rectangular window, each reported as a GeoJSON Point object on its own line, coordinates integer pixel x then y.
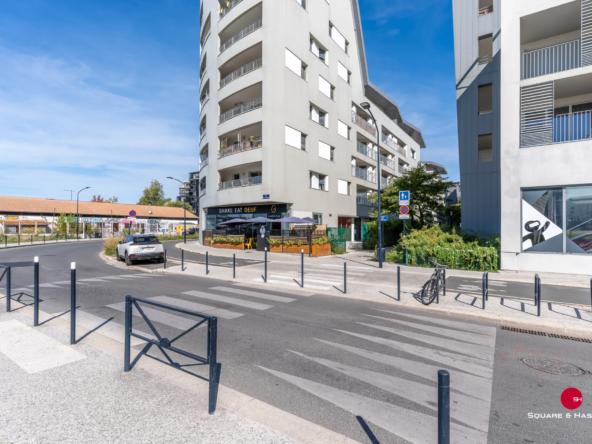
{"type": "Point", "coordinates": [486, 99]}
{"type": "Point", "coordinates": [413, 154]}
{"type": "Point", "coordinates": [485, 49]}
{"type": "Point", "coordinates": [342, 129]}
{"type": "Point", "coordinates": [485, 148]}
{"type": "Point", "coordinates": [295, 138]}
{"type": "Point", "coordinates": [326, 151]}
{"type": "Point", "coordinates": [338, 37]}
{"type": "Point", "coordinates": [318, 217]}
{"type": "Point", "coordinates": [295, 65]}
{"type": "Point", "coordinates": [485, 7]}
{"type": "Point", "coordinates": [343, 187]}
{"type": "Point", "coordinates": [319, 51]}
{"type": "Point", "coordinates": [319, 181]}
{"type": "Point", "coordinates": [302, 3]}
{"type": "Point", "coordinates": [326, 88]}
{"type": "Point", "coordinates": [318, 116]}
{"type": "Point", "coordinates": [343, 72]}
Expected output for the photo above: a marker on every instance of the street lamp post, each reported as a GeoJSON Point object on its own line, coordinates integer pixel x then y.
{"type": "Point", "coordinates": [77, 213]}
{"type": "Point", "coordinates": [184, 214]}
{"type": "Point", "coordinates": [366, 106]}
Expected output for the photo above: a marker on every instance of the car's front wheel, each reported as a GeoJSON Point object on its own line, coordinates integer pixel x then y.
{"type": "Point", "coordinates": [128, 261]}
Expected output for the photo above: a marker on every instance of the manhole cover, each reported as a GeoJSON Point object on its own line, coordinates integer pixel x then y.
{"type": "Point", "coordinates": [552, 366]}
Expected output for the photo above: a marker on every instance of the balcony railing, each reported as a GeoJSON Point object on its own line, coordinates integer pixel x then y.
{"type": "Point", "coordinates": [363, 199]}
{"type": "Point", "coordinates": [202, 133]}
{"type": "Point", "coordinates": [385, 181]}
{"type": "Point", "coordinates": [392, 143]}
{"type": "Point", "coordinates": [402, 169]}
{"type": "Point", "coordinates": [249, 67]}
{"type": "Point", "coordinates": [390, 163]}
{"type": "Point", "coordinates": [239, 35]}
{"type": "Point", "coordinates": [486, 10]}
{"type": "Point", "coordinates": [204, 42]}
{"type": "Point", "coordinates": [203, 101]}
{"type": "Point", "coordinates": [228, 8]}
{"type": "Point", "coordinates": [240, 147]}
{"type": "Point", "coordinates": [201, 76]}
{"type": "Point", "coordinates": [241, 109]}
{"type": "Point", "coordinates": [202, 192]}
{"type": "Point", "coordinates": [362, 123]}
{"type": "Point", "coordinates": [551, 59]}
{"type": "Point", "coordinates": [240, 183]}
{"type": "Point", "coordinates": [203, 162]}
{"type": "Point", "coordinates": [363, 173]}
{"type": "Point", "coordinates": [572, 127]}
{"type": "Point", "coordinates": [363, 149]}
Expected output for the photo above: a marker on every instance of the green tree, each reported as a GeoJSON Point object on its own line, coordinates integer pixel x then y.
{"type": "Point", "coordinates": [154, 195]}
{"type": "Point", "coordinates": [179, 204]}
{"type": "Point", "coordinates": [113, 199]}
{"type": "Point", "coordinates": [427, 194]}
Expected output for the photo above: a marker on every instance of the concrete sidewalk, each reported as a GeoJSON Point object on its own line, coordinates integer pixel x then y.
{"type": "Point", "coordinates": [54, 392]}
{"type": "Point", "coordinates": [48, 242]}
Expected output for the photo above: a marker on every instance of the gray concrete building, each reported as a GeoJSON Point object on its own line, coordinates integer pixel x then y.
{"type": "Point", "coordinates": [282, 127]}
{"type": "Point", "coordinates": [525, 163]}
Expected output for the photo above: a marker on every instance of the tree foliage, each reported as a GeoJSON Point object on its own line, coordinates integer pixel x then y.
{"type": "Point", "coordinates": [97, 198]}
{"type": "Point", "coordinates": [427, 194]}
{"type": "Point", "coordinates": [179, 204]}
{"type": "Point", "coordinates": [113, 199]}
{"type": "Point", "coordinates": [154, 195]}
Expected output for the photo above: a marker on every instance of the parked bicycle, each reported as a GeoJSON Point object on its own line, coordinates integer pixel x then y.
{"type": "Point", "coordinates": [436, 283]}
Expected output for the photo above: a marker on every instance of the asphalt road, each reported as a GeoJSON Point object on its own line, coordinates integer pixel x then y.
{"type": "Point", "coordinates": [198, 258]}
{"type": "Point", "coordinates": [519, 290]}
{"type": "Point", "coordinates": [363, 369]}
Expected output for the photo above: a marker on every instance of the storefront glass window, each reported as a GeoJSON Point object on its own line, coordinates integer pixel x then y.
{"type": "Point", "coordinates": [542, 220]}
{"type": "Point", "coordinates": [579, 219]}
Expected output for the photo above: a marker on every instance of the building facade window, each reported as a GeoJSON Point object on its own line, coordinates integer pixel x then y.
{"type": "Point", "coordinates": [319, 116]}
{"type": "Point", "coordinates": [342, 129]}
{"type": "Point", "coordinates": [485, 148]}
{"type": "Point", "coordinates": [318, 50]}
{"type": "Point", "coordinates": [338, 38]}
{"type": "Point", "coordinates": [319, 181]}
{"type": "Point", "coordinates": [295, 65]}
{"type": "Point", "coordinates": [295, 138]}
{"type": "Point", "coordinates": [326, 88]}
{"type": "Point", "coordinates": [318, 217]}
{"type": "Point", "coordinates": [485, 98]}
{"type": "Point", "coordinates": [343, 187]}
{"type": "Point", "coordinates": [557, 220]}
{"type": "Point", "coordinates": [485, 49]}
{"type": "Point", "coordinates": [343, 72]}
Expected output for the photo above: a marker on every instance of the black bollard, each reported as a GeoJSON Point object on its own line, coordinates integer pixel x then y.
{"type": "Point", "coordinates": [345, 277]}
{"type": "Point", "coordinates": [207, 264]}
{"type": "Point", "coordinates": [8, 289]}
{"type": "Point", "coordinates": [36, 292]}
{"type": "Point", "coordinates": [438, 287]}
{"type": "Point", "coordinates": [128, 329]}
{"type": "Point", "coordinates": [443, 407]}
{"type": "Point", "coordinates": [19, 238]}
{"type": "Point", "coordinates": [485, 289]}
{"type": "Point", "coordinates": [233, 265]}
{"type": "Point", "coordinates": [302, 269]}
{"type": "Point", "coordinates": [399, 283]}
{"type": "Point", "coordinates": [265, 265]}
{"type": "Point", "coordinates": [539, 297]}
{"type": "Point", "coordinates": [183, 260]}
{"type": "Point", "coordinates": [73, 303]}
{"type": "Point", "coordinates": [31, 239]}
{"type": "Point", "coordinates": [444, 281]}
{"type": "Point", "coordinates": [165, 259]}
{"type": "Point", "coordinates": [536, 276]}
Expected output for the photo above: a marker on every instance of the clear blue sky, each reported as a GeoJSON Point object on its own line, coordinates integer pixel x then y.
{"type": "Point", "coordinates": [104, 93]}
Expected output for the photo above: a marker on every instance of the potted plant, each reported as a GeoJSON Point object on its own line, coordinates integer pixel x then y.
{"type": "Point", "coordinates": [208, 242]}
{"type": "Point", "coordinates": [295, 246]}
{"type": "Point", "coordinates": [321, 246]}
{"type": "Point", "coordinates": [232, 243]}
{"type": "Point", "coordinates": [275, 246]}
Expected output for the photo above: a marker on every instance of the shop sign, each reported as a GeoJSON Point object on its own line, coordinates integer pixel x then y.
{"type": "Point", "coordinates": [266, 209]}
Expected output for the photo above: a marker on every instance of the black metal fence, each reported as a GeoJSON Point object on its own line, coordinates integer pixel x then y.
{"type": "Point", "coordinates": [164, 344]}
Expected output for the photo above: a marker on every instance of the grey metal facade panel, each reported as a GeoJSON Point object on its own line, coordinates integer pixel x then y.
{"type": "Point", "coordinates": [586, 32]}
{"type": "Point", "coordinates": [480, 182]}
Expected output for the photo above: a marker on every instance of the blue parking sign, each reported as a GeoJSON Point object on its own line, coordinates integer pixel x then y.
{"type": "Point", "coordinates": [404, 197]}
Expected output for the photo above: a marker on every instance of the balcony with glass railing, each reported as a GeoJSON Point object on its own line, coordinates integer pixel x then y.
{"type": "Point", "coordinates": [392, 143]}
{"type": "Point", "coordinates": [386, 181]}
{"type": "Point", "coordinates": [203, 99]}
{"type": "Point", "coordinates": [241, 34]}
{"type": "Point", "coordinates": [239, 183]}
{"type": "Point", "coordinates": [362, 148]}
{"type": "Point", "coordinates": [363, 173]}
{"type": "Point", "coordinates": [203, 161]}
{"type": "Point", "coordinates": [202, 192]}
{"type": "Point", "coordinates": [202, 133]}
{"type": "Point", "coordinates": [239, 72]}
{"type": "Point", "coordinates": [364, 199]}
{"type": "Point", "coordinates": [551, 59]}
{"type": "Point", "coordinates": [241, 109]}
{"type": "Point", "coordinates": [389, 163]}
{"type": "Point", "coordinates": [572, 127]}
{"type": "Point", "coordinates": [402, 168]}
{"type": "Point", "coordinates": [228, 6]}
{"type": "Point", "coordinates": [241, 147]}
{"type": "Point", "coordinates": [203, 43]}
{"type": "Point", "coordinates": [363, 123]}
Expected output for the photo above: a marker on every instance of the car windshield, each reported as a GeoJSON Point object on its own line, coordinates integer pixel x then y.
{"type": "Point", "coordinates": [145, 240]}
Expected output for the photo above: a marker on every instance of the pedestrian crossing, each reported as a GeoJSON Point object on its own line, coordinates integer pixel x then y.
{"type": "Point", "coordinates": [419, 347]}
{"type": "Point", "coordinates": [323, 279]}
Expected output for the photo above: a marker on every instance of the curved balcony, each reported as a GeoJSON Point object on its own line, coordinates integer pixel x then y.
{"type": "Point", "coordinates": [239, 183]}
{"type": "Point", "coordinates": [241, 109]}
{"type": "Point", "coordinates": [241, 147]}
{"type": "Point", "coordinates": [241, 34]}
{"type": "Point", "coordinates": [239, 72]}
{"type": "Point", "coordinates": [228, 8]}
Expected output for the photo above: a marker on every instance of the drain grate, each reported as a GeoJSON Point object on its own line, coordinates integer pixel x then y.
{"type": "Point", "coordinates": [552, 366]}
{"type": "Point", "coordinates": [540, 333]}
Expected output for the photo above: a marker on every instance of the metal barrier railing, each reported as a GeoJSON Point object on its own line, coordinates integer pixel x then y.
{"type": "Point", "coordinates": [241, 109]}
{"type": "Point", "coordinates": [239, 35]}
{"type": "Point", "coordinates": [164, 344]}
{"type": "Point", "coordinates": [552, 59]}
{"type": "Point", "coordinates": [239, 72]}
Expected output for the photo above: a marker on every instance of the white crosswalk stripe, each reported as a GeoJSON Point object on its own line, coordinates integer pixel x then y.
{"type": "Point", "coordinates": [161, 317]}
{"type": "Point", "coordinates": [295, 293]}
{"type": "Point", "coordinates": [228, 300]}
{"type": "Point", "coordinates": [194, 306]}
{"type": "Point", "coordinates": [254, 294]}
{"type": "Point", "coordinates": [367, 269]}
{"type": "Point", "coordinates": [293, 284]}
{"type": "Point", "coordinates": [314, 281]}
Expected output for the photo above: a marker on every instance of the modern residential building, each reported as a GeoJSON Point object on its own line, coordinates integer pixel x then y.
{"type": "Point", "coordinates": [189, 192]}
{"type": "Point", "coordinates": [283, 129]}
{"type": "Point", "coordinates": [524, 82]}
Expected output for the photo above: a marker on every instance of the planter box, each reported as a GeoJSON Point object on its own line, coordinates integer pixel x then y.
{"type": "Point", "coordinates": [321, 250]}
{"type": "Point", "coordinates": [296, 249]}
{"type": "Point", "coordinates": [275, 248]}
{"type": "Point", "coordinates": [207, 243]}
{"type": "Point", "coordinates": [230, 246]}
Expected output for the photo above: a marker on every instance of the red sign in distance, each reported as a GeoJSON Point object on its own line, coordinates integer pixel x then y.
{"type": "Point", "coordinates": [404, 209]}
{"type": "Point", "coordinates": [571, 398]}
{"type": "Point", "coordinates": [132, 213]}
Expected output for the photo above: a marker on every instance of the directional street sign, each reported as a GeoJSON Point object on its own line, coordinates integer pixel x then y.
{"type": "Point", "coordinates": [383, 218]}
{"type": "Point", "coordinates": [403, 216]}
{"type": "Point", "coordinates": [132, 213]}
{"type": "Point", "coordinates": [404, 209]}
{"type": "Point", "coordinates": [404, 197]}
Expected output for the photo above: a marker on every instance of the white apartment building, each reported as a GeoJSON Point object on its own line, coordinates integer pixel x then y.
{"type": "Point", "coordinates": [282, 128]}
{"type": "Point", "coordinates": [524, 91]}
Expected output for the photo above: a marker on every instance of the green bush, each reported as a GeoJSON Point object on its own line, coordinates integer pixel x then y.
{"type": "Point", "coordinates": [393, 229]}
{"type": "Point", "coordinates": [228, 240]}
{"type": "Point", "coordinates": [450, 247]}
{"type": "Point", "coordinates": [324, 240]}
{"type": "Point", "coordinates": [338, 250]}
{"type": "Point", "coordinates": [163, 238]}
{"type": "Point", "coordinates": [110, 251]}
{"type": "Point", "coordinates": [275, 243]}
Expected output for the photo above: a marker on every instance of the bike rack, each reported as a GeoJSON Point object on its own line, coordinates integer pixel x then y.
{"type": "Point", "coordinates": [163, 344]}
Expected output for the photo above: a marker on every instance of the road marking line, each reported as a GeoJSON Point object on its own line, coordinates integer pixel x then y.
{"type": "Point", "coordinates": [228, 300]}
{"type": "Point", "coordinates": [295, 293]}
{"type": "Point", "coordinates": [292, 284]}
{"type": "Point", "coordinates": [368, 269]}
{"type": "Point", "coordinates": [200, 308]}
{"type": "Point", "coordinates": [33, 351]}
{"type": "Point", "coordinates": [159, 316]}
{"type": "Point", "coordinates": [449, 323]}
{"type": "Point", "coordinates": [254, 294]}
{"type": "Point", "coordinates": [316, 281]}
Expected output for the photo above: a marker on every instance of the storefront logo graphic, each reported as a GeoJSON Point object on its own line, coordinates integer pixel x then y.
{"type": "Point", "coordinates": [273, 209]}
{"type": "Point", "coordinates": [571, 398]}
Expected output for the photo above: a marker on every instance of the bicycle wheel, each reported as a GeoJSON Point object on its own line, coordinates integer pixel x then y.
{"type": "Point", "coordinates": [428, 292]}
